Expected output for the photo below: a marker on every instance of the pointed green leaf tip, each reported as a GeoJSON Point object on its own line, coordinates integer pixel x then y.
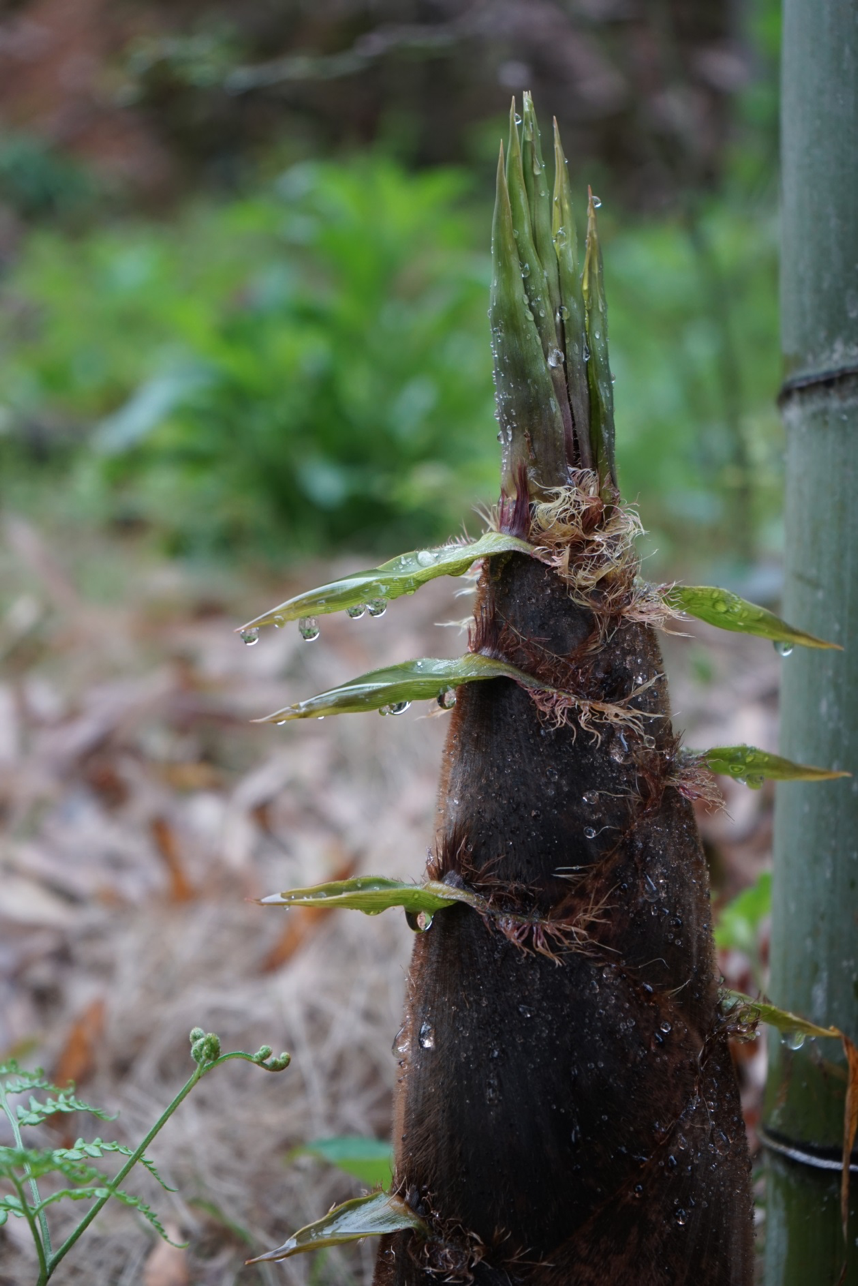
{"type": "Point", "coordinates": [402, 575]}
{"type": "Point", "coordinates": [750, 765]}
{"type": "Point", "coordinates": [571, 309]}
{"type": "Point", "coordinates": [599, 379]}
{"type": "Point", "coordinates": [371, 1216]}
{"type": "Point", "coordinates": [730, 612]}
{"type": "Point", "coordinates": [539, 204]}
{"type": "Point", "coordinates": [531, 425]}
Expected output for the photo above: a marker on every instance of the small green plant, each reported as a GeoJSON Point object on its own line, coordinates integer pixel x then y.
{"type": "Point", "coordinates": [23, 1168]}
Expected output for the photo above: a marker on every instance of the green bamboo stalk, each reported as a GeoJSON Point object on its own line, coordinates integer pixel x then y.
{"type": "Point", "coordinates": [814, 960]}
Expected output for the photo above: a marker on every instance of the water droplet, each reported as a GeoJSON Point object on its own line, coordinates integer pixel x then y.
{"type": "Point", "coordinates": [589, 832]}
{"type": "Point", "coordinates": [665, 1027]}
{"type": "Point", "coordinates": [794, 1039]}
{"type": "Point", "coordinates": [783, 648]}
{"type": "Point", "coordinates": [377, 606]}
{"type": "Point", "coordinates": [680, 1217]}
{"type": "Point", "coordinates": [754, 780]}
{"type": "Point", "coordinates": [420, 922]}
{"type": "Point", "coordinates": [308, 628]}
{"type": "Point", "coordinates": [562, 311]}
{"type": "Point", "coordinates": [426, 1037]}
{"type": "Point", "coordinates": [250, 636]}
{"type": "Point", "coordinates": [525, 270]}
{"type": "Point", "coordinates": [278, 621]}
{"type": "Point", "coordinates": [590, 797]}
{"type": "Point", "coordinates": [597, 202]}
{"type": "Point", "coordinates": [425, 558]}
{"type": "Point", "coordinates": [619, 751]}
{"type": "Point", "coordinates": [555, 357]}
{"type": "Point", "coordinates": [401, 1043]}
{"type": "Point", "coordinates": [524, 1011]}
{"type": "Point", "coordinates": [517, 118]}
{"type": "Point", "coordinates": [586, 353]}
{"type": "Point", "coordinates": [356, 612]}
{"type": "Point", "coordinates": [447, 698]}
{"type": "Point", "coordinates": [395, 707]}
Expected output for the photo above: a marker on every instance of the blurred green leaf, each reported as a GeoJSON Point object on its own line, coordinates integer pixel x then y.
{"type": "Point", "coordinates": [370, 1160]}
{"type": "Point", "coordinates": [738, 924]}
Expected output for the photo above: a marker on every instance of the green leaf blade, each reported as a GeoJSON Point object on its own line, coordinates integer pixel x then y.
{"type": "Point", "coordinates": [398, 685]}
{"type": "Point", "coordinates": [572, 324]}
{"type": "Point", "coordinates": [401, 575]}
{"type": "Point", "coordinates": [747, 763]}
{"type": "Point", "coordinates": [371, 1216]}
{"type": "Point", "coordinates": [727, 611]}
{"type": "Point", "coordinates": [599, 381]}
{"type": "Point", "coordinates": [373, 894]}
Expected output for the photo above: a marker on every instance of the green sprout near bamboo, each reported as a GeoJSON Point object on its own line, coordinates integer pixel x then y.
{"type": "Point", "coordinates": [23, 1168]}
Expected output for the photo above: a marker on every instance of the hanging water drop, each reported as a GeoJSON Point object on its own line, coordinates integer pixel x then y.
{"type": "Point", "coordinates": [589, 832]}
{"type": "Point", "coordinates": [447, 698]}
{"type": "Point", "coordinates": [525, 270]}
{"type": "Point", "coordinates": [794, 1039]}
{"type": "Point", "coordinates": [783, 648]}
{"type": "Point", "coordinates": [516, 118]}
{"type": "Point", "coordinates": [308, 628]}
{"type": "Point", "coordinates": [250, 636]}
{"type": "Point", "coordinates": [356, 612]}
{"type": "Point", "coordinates": [426, 1036]}
{"type": "Point", "coordinates": [597, 202]}
{"type": "Point", "coordinates": [377, 606]}
{"type": "Point", "coordinates": [562, 313]}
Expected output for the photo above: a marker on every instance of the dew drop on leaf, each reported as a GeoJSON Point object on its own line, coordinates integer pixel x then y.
{"type": "Point", "coordinates": [308, 628]}
{"type": "Point", "coordinates": [250, 636]}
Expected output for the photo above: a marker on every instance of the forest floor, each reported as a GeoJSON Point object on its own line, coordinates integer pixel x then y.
{"type": "Point", "coordinates": [143, 814]}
